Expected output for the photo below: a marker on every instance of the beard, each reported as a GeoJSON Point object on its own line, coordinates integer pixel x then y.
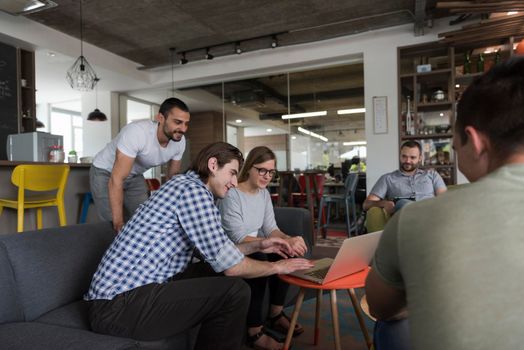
{"type": "Point", "coordinates": [408, 167]}
{"type": "Point", "coordinates": [174, 136]}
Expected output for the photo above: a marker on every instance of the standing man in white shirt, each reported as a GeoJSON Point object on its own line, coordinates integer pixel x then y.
{"type": "Point", "coordinates": [117, 184]}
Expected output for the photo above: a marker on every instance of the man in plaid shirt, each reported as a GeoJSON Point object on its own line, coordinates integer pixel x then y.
{"type": "Point", "coordinates": [139, 291]}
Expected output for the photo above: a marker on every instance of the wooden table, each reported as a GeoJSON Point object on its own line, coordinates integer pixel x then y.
{"type": "Point", "coordinates": [350, 282]}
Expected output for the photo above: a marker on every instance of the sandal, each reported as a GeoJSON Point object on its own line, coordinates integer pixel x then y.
{"type": "Point", "coordinates": [252, 339]}
{"type": "Point", "coordinates": [273, 324]}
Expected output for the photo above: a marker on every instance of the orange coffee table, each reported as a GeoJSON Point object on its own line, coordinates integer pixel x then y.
{"type": "Point", "coordinates": [356, 280]}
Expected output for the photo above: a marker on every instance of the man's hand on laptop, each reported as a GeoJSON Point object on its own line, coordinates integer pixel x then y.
{"type": "Point", "coordinates": [298, 246]}
{"type": "Point", "coordinates": [276, 245]}
{"type": "Point", "coordinates": [291, 265]}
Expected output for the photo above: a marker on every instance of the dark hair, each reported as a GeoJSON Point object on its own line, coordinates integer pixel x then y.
{"type": "Point", "coordinates": [171, 103]}
{"type": "Point", "coordinates": [222, 151]}
{"type": "Point", "coordinates": [412, 144]}
{"type": "Point", "coordinates": [355, 160]}
{"type": "Point", "coordinates": [257, 155]}
{"type": "Point", "coordinates": [494, 105]}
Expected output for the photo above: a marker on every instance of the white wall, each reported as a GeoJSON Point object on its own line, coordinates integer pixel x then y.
{"type": "Point", "coordinates": [96, 133]}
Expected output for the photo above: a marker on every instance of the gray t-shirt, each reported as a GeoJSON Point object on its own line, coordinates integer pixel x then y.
{"type": "Point", "coordinates": [460, 259]}
{"type": "Point", "coordinates": [246, 214]}
{"type": "Point", "coordinates": [421, 185]}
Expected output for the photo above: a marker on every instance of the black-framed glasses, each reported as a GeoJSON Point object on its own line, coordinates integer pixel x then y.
{"type": "Point", "coordinates": [264, 171]}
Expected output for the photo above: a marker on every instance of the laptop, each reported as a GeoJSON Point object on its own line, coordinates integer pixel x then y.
{"type": "Point", "coordinates": [354, 255]}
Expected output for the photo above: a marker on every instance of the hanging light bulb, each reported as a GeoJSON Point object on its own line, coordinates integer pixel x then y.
{"type": "Point", "coordinates": [274, 41]}
{"type": "Point", "coordinates": [81, 76]}
{"type": "Point", "coordinates": [183, 59]}
{"type": "Point", "coordinates": [96, 115]}
{"type": "Point", "coordinates": [238, 49]}
{"type": "Point", "coordinates": [208, 55]}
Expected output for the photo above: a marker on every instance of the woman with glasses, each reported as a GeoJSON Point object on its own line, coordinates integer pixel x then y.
{"type": "Point", "coordinates": [247, 214]}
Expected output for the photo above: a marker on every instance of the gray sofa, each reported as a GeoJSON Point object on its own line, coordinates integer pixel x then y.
{"type": "Point", "coordinates": [43, 275]}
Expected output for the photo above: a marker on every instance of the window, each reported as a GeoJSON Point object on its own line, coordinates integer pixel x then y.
{"type": "Point", "coordinates": [69, 124]}
{"type": "Point", "coordinates": [138, 110]}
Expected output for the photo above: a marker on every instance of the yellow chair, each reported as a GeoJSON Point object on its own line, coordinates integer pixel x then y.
{"type": "Point", "coordinates": [41, 178]}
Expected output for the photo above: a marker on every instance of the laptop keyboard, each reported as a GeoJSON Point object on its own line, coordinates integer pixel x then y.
{"type": "Point", "coordinates": [320, 273]}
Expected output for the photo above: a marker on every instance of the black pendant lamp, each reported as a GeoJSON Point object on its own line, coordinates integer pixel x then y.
{"type": "Point", "coordinates": [96, 115]}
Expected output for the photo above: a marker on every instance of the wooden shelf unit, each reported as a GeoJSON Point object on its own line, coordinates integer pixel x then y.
{"type": "Point", "coordinates": [26, 81]}
{"type": "Point", "coordinates": [433, 118]}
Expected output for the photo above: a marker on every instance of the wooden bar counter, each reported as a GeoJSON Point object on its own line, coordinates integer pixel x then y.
{"type": "Point", "coordinates": [77, 185]}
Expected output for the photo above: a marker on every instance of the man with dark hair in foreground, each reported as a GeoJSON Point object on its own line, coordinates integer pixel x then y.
{"type": "Point", "coordinates": [455, 261]}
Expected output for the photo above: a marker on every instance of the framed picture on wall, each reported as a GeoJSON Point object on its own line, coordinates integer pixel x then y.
{"type": "Point", "coordinates": [380, 114]}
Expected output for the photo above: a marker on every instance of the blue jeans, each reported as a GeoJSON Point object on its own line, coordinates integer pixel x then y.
{"type": "Point", "coordinates": [401, 203]}
{"type": "Point", "coordinates": [391, 335]}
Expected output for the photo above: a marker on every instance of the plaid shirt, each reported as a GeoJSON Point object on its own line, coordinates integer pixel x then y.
{"type": "Point", "coordinates": [158, 241]}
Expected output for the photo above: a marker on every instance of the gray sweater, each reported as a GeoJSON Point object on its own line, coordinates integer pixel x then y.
{"type": "Point", "coordinates": [246, 214]}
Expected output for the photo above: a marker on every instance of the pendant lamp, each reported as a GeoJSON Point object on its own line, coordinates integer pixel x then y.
{"type": "Point", "coordinates": [80, 75]}
{"type": "Point", "coordinates": [96, 115]}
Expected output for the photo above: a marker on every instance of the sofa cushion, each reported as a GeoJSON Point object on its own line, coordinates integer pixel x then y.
{"type": "Point", "coordinates": [10, 308]}
{"type": "Point", "coordinates": [53, 267]}
{"type": "Point", "coordinates": [74, 315]}
{"type": "Point", "coordinates": [40, 336]}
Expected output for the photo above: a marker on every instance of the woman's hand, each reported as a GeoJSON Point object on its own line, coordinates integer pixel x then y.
{"type": "Point", "coordinates": [276, 245]}
{"type": "Point", "coordinates": [298, 246]}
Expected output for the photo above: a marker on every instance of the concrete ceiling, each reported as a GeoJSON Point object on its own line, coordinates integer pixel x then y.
{"type": "Point", "coordinates": [143, 31]}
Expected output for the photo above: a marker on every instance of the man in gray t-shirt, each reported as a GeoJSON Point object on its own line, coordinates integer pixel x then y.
{"type": "Point", "coordinates": [409, 183]}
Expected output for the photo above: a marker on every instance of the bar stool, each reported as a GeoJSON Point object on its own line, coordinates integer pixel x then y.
{"type": "Point", "coordinates": [153, 185]}
{"type": "Point", "coordinates": [84, 208]}
{"type": "Point", "coordinates": [311, 190]}
{"type": "Point", "coordinates": [39, 178]}
{"type": "Point", "coordinates": [285, 187]}
{"type": "Point", "coordinates": [348, 199]}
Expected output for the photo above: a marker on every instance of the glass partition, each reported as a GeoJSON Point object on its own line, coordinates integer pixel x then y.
{"type": "Point", "coordinates": [312, 119]}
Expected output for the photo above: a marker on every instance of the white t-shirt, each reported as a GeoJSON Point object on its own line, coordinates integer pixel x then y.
{"type": "Point", "coordinates": [139, 140]}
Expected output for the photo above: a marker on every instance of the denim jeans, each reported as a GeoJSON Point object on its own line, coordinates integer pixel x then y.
{"type": "Point", "coordinates": [391, 335]}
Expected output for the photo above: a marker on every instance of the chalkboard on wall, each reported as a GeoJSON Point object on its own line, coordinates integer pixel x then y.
{"type": "Point", "coordinates": [8, 95]}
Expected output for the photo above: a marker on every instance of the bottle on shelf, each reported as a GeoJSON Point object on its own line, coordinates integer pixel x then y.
{"type": "Point", "coordinates": [480, 63]}
{"type": "Point", "coordinates": [497, 57]}
{"type": "Point", "coordinates": [410, 125]}
{"type": "Point", "coordinates": [467, 63]}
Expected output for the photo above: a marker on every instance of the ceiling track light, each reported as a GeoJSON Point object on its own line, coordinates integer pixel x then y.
{"type": "Point", "coordinates": [183, 59]}
{"type": "Point", "coordinates": [238, 49]}
{"type": "Point", "coordinates": [209, 56]}
{"type": "Point", "coordinates": [274, 41]}
{"type": "Point", "coordinates": [236, 44]}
